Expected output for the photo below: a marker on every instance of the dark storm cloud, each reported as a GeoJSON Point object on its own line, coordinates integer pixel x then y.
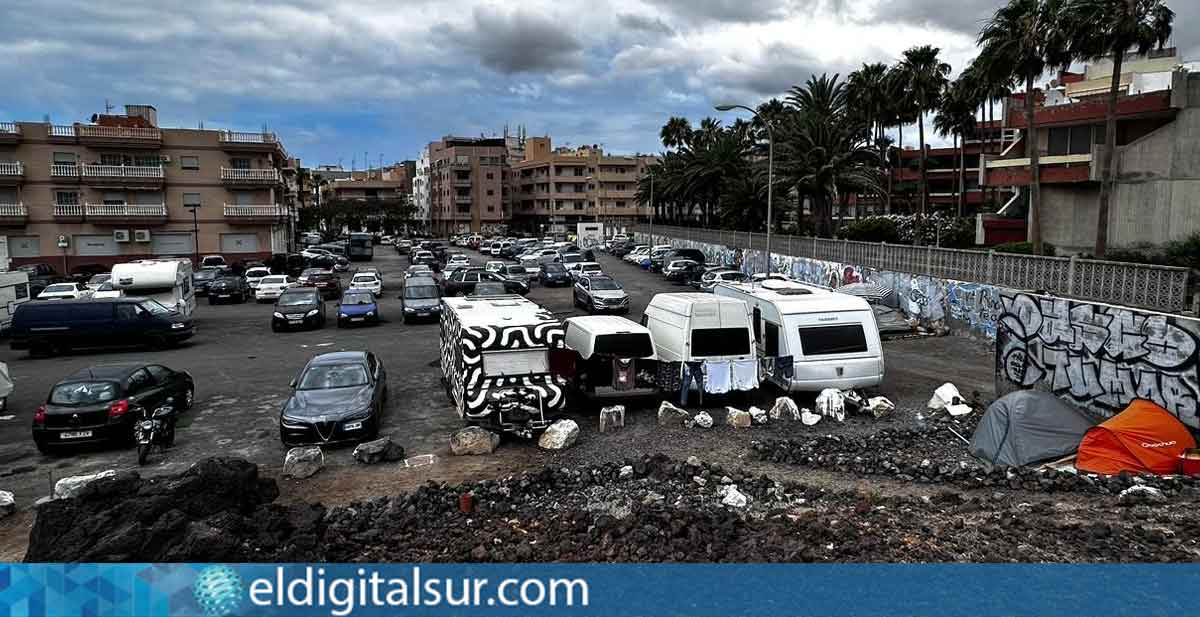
{"type": "Point", "coordinates": [642, 23]}
{"type": "Point", "coordinates": [515, 42]}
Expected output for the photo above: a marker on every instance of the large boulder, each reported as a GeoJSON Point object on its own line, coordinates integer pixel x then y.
{"type": "Point", "coordinates": [738, 418]}
{"type": "Point", "coordinates": [1139, 494]}
{"type": "Point", "coordinates": [560, 435]}
{"type": "Point", "coordinates": [702, 420]}
{"type": "Point", "coordinates": [71, 486]}
{"type": "Point", "coordinates": [378, 450]}
{"type": "Point", "coordinates": [303, 462]}
{"type": "Point", "coordinates": [8, 504]}
{"type": "Point", "coordinates": [785, 409]}
{"type": "Point", "coordinates": [832, 403]}
{"type": "Point", "coordinates": [670, 415]}
{"type": "Point", "coordinates": [612, 418]}
{"type": "Point", "coordinates": [473, 440]}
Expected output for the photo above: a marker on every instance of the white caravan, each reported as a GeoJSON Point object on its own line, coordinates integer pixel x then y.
{"type": "Point", "coordinates": [14, 291]}
{"type": "Point", "coordinates": [169, 281]}
{"type": "Point", "coordinates": [832, 337]}
{"type": "Point", "coordinates": [696, 326]}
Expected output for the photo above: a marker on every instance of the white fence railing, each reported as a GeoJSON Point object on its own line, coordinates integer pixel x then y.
{"type": "Point", "coordinates": [10, 128]}
{"type": "Point", "coordinates": [64, 171]}
{"type": "Point", "coordinates": [62, 130]}
{"type": "Point", "coordinates": [123, 171]}
{"type": "Point", "coordinates": [12, 168]}
{"type": "Point", "coordinates": [235, 210]}
{"type": "Point", "coordinates": [13, 210]}
{"type": "Point", "coordinates": [125, 210]}
{"type": "Point", "coordinates": [118, 132]}
{"type": "Point", "coordinates": [71, 210]}
{"type": "Point", "coordinates": [249, 175]}
{"type": "Point", "coordinates": [1150, 286]}
{"type": "Point", "coordinates": [247, 138]}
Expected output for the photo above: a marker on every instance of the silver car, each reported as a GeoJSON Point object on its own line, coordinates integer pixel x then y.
{"type": "Point", "coordinates": [599, 294]}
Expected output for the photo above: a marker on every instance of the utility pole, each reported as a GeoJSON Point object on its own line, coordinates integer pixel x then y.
{"type": "Point", "coordinates": [196, 234]}
{"type": "Point", "coordinates": [651, 207]}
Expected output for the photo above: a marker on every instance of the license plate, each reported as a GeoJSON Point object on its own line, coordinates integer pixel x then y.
{"type": "Point", "coordinates": [75, 434]}
{"type": "Point", "coordinates": [352, 426]}
{"type": "Point", "coordinates": [224, 295]}
{"type": "Point", "coordinates": [295, 321]}
{"type": "Point", "coordinates": [356, 319]}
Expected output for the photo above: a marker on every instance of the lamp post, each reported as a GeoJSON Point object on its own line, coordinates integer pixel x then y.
{"type": "Point", "coordinates": [651, 172]}
{"type": "Point", "coordinates": [770, 168]}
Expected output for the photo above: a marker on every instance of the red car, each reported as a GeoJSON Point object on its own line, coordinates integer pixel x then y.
{"type": "Point", "coordinates": [327, 284]}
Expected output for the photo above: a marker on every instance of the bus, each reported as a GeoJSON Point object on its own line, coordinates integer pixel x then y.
{"type": "Point", "coordinates": [361, 247]}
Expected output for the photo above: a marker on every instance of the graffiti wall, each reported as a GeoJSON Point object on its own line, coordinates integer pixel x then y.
{"type": "Point", "coordinates": [1097, 356]}
{"type": "Point", "coordinates": [968, 309]}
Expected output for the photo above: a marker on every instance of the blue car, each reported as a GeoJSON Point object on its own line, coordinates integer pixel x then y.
{"type": "Point", "coordinates": [357, 307]}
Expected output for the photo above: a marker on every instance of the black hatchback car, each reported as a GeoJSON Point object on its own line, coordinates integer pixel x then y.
{"type": "Point", "coordinates": [101, 403]}
{"type": "Point", "coordinates": [554, 275]}
{"type": "Point", "coordinates": [338, 397]}
{"type": "Point", "coordinates": [298, 307]}
{"type": "Point", "coordinates": [231, 287]}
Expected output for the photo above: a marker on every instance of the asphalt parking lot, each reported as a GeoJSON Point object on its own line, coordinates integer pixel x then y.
{"type": "Point", "coordinates": [242, 371]}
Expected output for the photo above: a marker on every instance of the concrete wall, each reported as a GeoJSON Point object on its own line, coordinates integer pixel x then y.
{"type": "Point", "coordinates": [1097, 356]}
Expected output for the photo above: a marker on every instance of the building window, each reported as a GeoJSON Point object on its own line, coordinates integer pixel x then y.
{"type": "Point", "coordinates": [491, 192]}
{"type": "Point", "coordinates": [239, 163]}
{"type": "Point", "coordinates": [64, 158]}
{"type": "Point", "coordinates": [191, 200]}
{"type": "Point", "coordinates": [114, 198]}
{"type": "Point", "coordinates": [491, 208]}
{"type": "Point", "coordinates": [620, 204]}
{"type": "Point", "coordinates": [112, 159]}
{"type": "Point", "coordinates": [66, 198]}
{"type": "Point", "coordinates": [189, 162]}
{"type": "Point", "coordinates": [490, 175]}
{"type": "Point", "coordinates": [620, 187]}
{"type": "Point", "coordinates": [147, 161]}
{"type": "Point", "coordinates": [578, 171]}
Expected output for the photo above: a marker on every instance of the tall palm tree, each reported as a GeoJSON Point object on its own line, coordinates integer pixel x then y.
{"type": "Point", "coordinates": [956, 116]}
{"type": "Point", "coordinates": [1023, 40]}
{"type": "Point", "coordinates": [1102, 28]}
{"type": "Point", "coordinates": [675, 132]}
{"type": "Point", "coordinates": [868, 99]}
{"type": "Point", "coordinates": [989, 88]}
{"type": "Point", "coordinates": [901, 110]}
{"type": "Point", "coordinates": [925, 76]}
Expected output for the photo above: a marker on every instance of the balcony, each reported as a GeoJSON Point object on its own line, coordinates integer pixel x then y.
{"type": "Point", "coordinates": [1058, 169]}
{"type": "Point", "coordinates": [126, 213]}
{"type": "Point", "coordinates": [250, 176]}
{"type": "Point", "coordinates": [249, 142]}
{"type": "Point", "coordinates": [68, 212]}
{"type": "Point", "coordinates": [91, 134]}
{"type": "Point", "coordinates": [11, 172]}
{"type": "Point", "coordinates": [10, 133]}
{"type": "Point", "coordinates": [461, 181]}
{"type": "Point", "coordinates": [462, 199]}
{"type": "Point", "coordinates": [123, 174]}
{"type": "Point", "coordinates": [64, 171]}
{"type": "Point", "coordinates": [254, 214]}
{"type": "Point", "coordinates": [13, 214]}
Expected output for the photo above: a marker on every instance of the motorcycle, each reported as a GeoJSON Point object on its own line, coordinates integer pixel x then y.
{"type": "Point", "coordinates": [155, 430]}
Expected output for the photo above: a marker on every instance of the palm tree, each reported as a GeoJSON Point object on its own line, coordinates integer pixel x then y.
{"type": "Point", "coordinates": [925, 77]}
{"type": "Point", "coordinates": [900, 110]}
{"type": "Point", "coordinates": [868, 96]}
{"type": "Point", "coordinates": [1023, 40]}
{"type": "Point", "coordinates": [676, 132]}
{"type": "Point", "coordinates": [956, 116]}
{"type": "Point", "coordinates": [1102, 28]}
{"type": "Point", "coordinates": [989, 87]}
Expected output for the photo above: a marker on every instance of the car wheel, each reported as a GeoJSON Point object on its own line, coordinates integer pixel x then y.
{"type": "Point", "coordinates": [274, 327]}
{"type": "Point", "coordinates": [43, 448]}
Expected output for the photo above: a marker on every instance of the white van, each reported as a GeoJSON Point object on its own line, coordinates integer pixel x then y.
{"type": "Point", "coordinates": [610, 351]}
{"type": "Point", "coordinates": [169, 281]}
{"type": "Point", "coordinates": [832, 338]}
{"type": "Point", "coordinates": [691, 327]}
{"type": "Point", "coordinates": [14, 291]}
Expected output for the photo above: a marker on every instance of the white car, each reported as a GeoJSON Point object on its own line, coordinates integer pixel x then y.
{"type": "Point", "coordinates": [583, 268]}
{"type": "Point", "coordinates": [637, 254]}
{"type": "Point", "coordinates": [273, 286]}
{"type": "Point", "coordinates": [367, 281]}
{"type": "Point", "coordinates": [65, 291]}
{"type": "Point", "coordinates": [494, 266]}
{"type": "Point", "coordinates": [254, 275]}
{"type": "Point", "coordinates": [313, 252]}
{"type": "Point", "coordinates": [105, 290]}
{"type": "Point", "coordinates": [97, 280]}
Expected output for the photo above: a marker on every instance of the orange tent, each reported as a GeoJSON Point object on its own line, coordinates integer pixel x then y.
{"type": "Point", "coordinates": [1145, 438]}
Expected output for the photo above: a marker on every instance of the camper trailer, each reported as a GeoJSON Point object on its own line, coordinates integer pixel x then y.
{"type": "Point", "coordinates": [496, 362]}
{"type": "Point", "coordinates": [607, 354]}
{"type": "Point", "coordinates": [169, 281]}
{"type": "Point", "coordinates": [14, 291]}
{"type": "Point", "coordinates": [832, 338]}
{"type": "Point", "coordinates": [690, 327]}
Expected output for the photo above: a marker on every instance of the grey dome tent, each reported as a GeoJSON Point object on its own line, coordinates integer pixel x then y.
{"type": "Point", "coordinates": [1028, 426]}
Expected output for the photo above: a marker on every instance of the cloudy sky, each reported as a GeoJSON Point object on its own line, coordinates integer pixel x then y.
{"type": "Point", "coordinates": [384, 77]}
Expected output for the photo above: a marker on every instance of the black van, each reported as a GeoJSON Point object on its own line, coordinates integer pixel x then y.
{"type": "Point", "coordinates": [50, 326]}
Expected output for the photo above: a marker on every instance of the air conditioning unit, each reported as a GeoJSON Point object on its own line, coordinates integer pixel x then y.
{"type": "Point", "coordinates": [120, 235]}
{"type": "Point", "coordinates": [141, 235]}
{"type": "Point", "coordinates": [166, 158]}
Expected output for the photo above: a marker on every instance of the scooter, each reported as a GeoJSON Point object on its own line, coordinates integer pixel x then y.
{"type": "Point", "coordinates": [155, 430]}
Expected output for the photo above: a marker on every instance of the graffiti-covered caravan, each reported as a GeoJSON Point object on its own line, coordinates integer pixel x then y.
{"type": "Point", "coordinates": [496, 362]}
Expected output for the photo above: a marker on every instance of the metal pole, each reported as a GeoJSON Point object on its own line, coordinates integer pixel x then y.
{"type": "Point", "coordinates": [770, 183]}
{"type": "Point", "coordinates": [651, 207]}
{"type": "Point", "coordinates": [196, 236]}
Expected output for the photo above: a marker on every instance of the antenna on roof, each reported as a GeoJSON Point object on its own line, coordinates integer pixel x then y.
{"type": "Point", "coordinates": [107, 107]}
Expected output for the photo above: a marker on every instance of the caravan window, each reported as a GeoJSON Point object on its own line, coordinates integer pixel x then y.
{"type": "Point", "coordinates": [21, 290]}
{"type": "Point", "coordinates": [771, 345]}
{"type": "Point", "coordinates": [826, 340]}
{"type": "Point", "coordinates": [516, 362]}
{"type": "Point", "coordinates": [625, 345]}
{"type": "Point", "coordinates": [719, 342]}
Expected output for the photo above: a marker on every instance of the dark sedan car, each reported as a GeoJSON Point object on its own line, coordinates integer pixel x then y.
{"type": "Point", "coordinates": [101, 403]}
{"type": "Point", "coordinates": [201, 279]}
{"type": "Point", "coordinates": [421, 299]}
{"type": "Point", "coordinates": [298, 307]}
{"type": "Point", "coordinates": [554, 275]}
{"type": "Point", "coordinates": [327, 283]}
{"type": "Point", "coordinates": [230, 288]}
{"type": "Point", "coordinates": [462, 282]}
{"type": "Point", "coordinates": [338, 397]}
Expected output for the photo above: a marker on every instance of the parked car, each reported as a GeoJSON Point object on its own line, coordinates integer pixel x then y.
{"type": "Point", "coordinates": [101, 403]}
{"type": "Point", "coordinates": [463, 282]}
{"type": "Point", "coordinates": [421, 299]}
{"type": "Point", "coordinates": [106, 290]}
{"type": "Point", "coordinates": [553, 275]}
{"type": "Point", "coordinates": [300, 307]}
{"type": "Point", "coordinates": [313, 252]}
{"type": "Point", "coordinates": [308, 272]}
{"type": "Point", "coordinates": [423, 258]}
{"type": "Point", "coordinates": [338, 397]}
{"type": "Point", "coordinates": [659, 260]}
{"type": "Point", "coordinates": [229, 287]}
{"type": "Point", "coordinates": [97, 280]}
{"type": "Point", "coordinates": [254, 275]}
{"type": "Point", "coordinates": [601, 293]}
{"type": "Point", "coordinates": [569, 258]}
{"type": "Point", "coordinates": [710, 279]}
{"type": "Point", "coordinates": [368, 281]}
{"type": "Point", "coordinates": [456, 262]}
{"type": "Point", "coordinates": [417, 269]}
{"type": "Point", "coordinates": [41, 275]}
{"type": "Point", "coordinates": [403, 247]}
{"type": "Point", "coordinates": [202, 278]}
{"type": "Point", "coordinates": [45, 328]}
{"type": "Point", "coordinates": [489, 288]}
{"type": "Point", "coordinates": [583, 268]}
{"type": "Point", "coordinates": [271, 287]}
{"type": "Point", "coordinates": [357, 307]}
{"type": "Point", "coordinates": [327, 283]}
{"type": "Point", "coordinates": [65, 291]}
{"type": "Point", "coordinates": [494, 266]}
{"type": "Point", "coordinates": [83, 273]}
{"type": "Point", "coordinates": [635, 254]}
{"type": "Point", "coordinates": [516, 272]}
{"type": "Point", "coordinates": [682, 270]}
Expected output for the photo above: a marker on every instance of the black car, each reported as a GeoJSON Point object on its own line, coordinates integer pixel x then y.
{"type": "Point", "coordinates": [666, 257]}
{"type": "Point", "coordinates": [101, 403]}
{"type": "Point", "coordinates": [554, 275]}
{"type": "Point", "coordinates": [202, 278]}
{"type": "Point", "coordinates": [327, 283]}
{"type": "Point", "coordinates": [338, 397]}
{"type": "Point", "coordinates": [421, 299]}
{"type": "Point", "coordinates": [45, 328]}
{"type": "Point", "coordinates": [298, 307]}
{"type": "Point", "coordinates": [462, 282]}
{"type": "Point", "coordinates": [230, 287]}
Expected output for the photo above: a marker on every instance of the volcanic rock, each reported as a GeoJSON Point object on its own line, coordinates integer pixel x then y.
{"type": "Point", "coordinates": [70, 486]}
{"type": "Point", "coordinates": [670, 415]}
{"type": "Point", "coordinates": [473, 440]}
{"type": "Point", "coordinates": [379, 450]}
{"type": "Point", "coordinates": [737, 418]}
{"type": "Point", "coordinates": [560, 435]}
{"type": "Point", "coordinates": [303, 462]}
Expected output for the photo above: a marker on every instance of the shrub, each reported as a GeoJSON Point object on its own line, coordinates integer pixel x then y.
{"type": "Point", "coordinates": [1023, 248]}
{"type": "Point", "coordinates": [872, 229]}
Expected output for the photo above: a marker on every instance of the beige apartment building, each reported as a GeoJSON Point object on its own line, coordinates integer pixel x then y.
{"type": "Point", "coordinates": [468, 185]}
{"type": "Point", "coordinates": [557, 188]}
{"type": "Point", "coordinates": [123, 188]}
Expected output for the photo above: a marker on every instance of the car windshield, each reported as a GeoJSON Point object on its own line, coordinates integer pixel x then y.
{"type": "Point", "coordinates": [258, 272]}
{"type": "Point", "coordinates": [421, 292]}
{"type": "Point", "coordinates": [99, 278]}
{"type": "Point", "coordinates": [554, 268]}
{"type": "Point", "coordinates": [489, 288]}
{"type": "Point", "coordinates": [330, 376]}
{"type": "Point", "coordinates": [154, 307]}
{"type": "Point", "coordinates": [60, 287]}
{"type": "Point", "coordinates": [358, 298]}
{"type": "Point", "coordinates": [105, 286]}
{"type": "Point", "coordinates": [274, 280]}
{"type": "Point", "coordinates": [83, 393]}
{"type": "Point", "coordinates": [206, 275]}
{"type": "Point", "coordinates": [228, 280]}
{"type": "Point", "coordinates": [296, 299]}
{"type": "Point", "coordinates": [364, 278]}
{"type": "Point", "coordinates": [605, 284]}
{"type": "Point", "coordinates": [516, 270]}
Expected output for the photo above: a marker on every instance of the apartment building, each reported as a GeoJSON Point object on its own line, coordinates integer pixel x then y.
{"type": "Point", "coordinates": [468, 185]}
{"type": "Point", "coordinates": [393, 182]}
{"type": "Point", "coordinates": [420, 191]}
{"type": "Point", "coordinates": [122, 188]}
{"type": "Point", "coordinates": [556, 188]}
{"type": "Point", "coordinates": [1155, 190]}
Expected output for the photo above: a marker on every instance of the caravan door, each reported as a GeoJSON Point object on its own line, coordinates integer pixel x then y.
{"type": "Point", "coordinates": [834, 350]}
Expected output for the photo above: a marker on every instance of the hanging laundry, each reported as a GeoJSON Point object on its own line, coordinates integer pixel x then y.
{"type": "Point", "coordinates": [785, 368]}
{"type": "Point", "coordinates": [668, 376]}
{"type": "Point", "coordinates": [766, 368]}
{"type": "Point", "coordinates": [693, 372]}
{"type": "Point", "coordinates": [744, 374]}
{"type": "Point", "coordinates": [623, 374]}
{"type": "Point", "coordinates": [718, 376]}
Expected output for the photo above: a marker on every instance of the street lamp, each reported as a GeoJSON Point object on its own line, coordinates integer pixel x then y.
{"type": "Point", "coordinates": [770, 168]}
{"type": "Point", "coordinates": [651, 172]}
